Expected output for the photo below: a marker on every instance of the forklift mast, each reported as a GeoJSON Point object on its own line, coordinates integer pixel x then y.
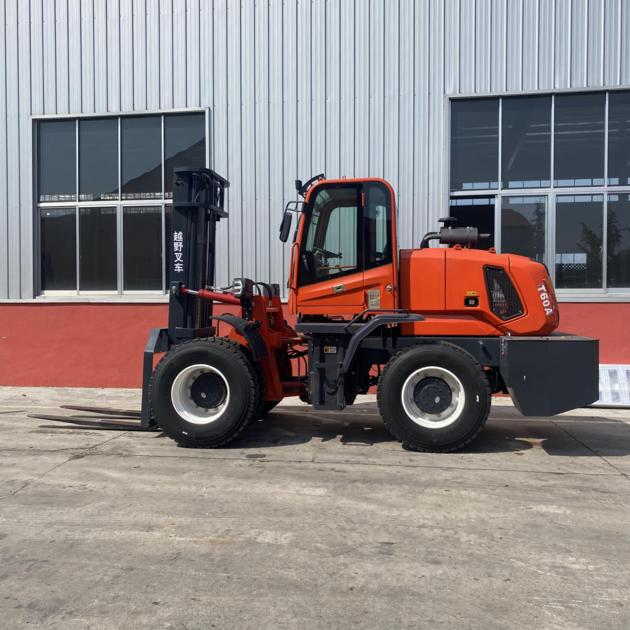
{"type": "Point", "coordinates": [198, 203]}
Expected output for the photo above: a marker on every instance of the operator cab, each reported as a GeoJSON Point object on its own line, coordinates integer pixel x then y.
{"type": "Point", "coordinates": [343, 257]}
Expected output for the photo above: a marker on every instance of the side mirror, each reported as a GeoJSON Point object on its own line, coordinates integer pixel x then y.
{"type": "Point", "coordinates": [285, 226]}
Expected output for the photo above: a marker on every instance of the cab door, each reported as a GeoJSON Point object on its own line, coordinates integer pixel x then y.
{"type": "Point", "coordinates": [330, 264]}
{"type": "Point", "coordinates": [379, 237]}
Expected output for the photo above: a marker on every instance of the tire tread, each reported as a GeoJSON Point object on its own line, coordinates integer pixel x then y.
{"type": "Point", "coordinates": [391, 426]}
{"type": "Point", "coordinates": [239, 353]}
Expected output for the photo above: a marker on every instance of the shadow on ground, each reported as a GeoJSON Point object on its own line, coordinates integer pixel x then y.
{"type": "Point", "coordinates": [360, 425]}
{"type": "Point", "coordinates": [506, 431]}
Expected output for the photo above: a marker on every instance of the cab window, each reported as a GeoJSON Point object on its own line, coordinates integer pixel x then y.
{"type": "Point", "coordinates": [332, 242]}
{"type": "Point", "coordinates": [378, 225]}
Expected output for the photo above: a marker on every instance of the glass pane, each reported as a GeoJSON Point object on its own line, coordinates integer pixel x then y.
{"type": "Point", "coordinates": [523, 226]}
{"type": "Point", "coordinates": [619, 241]}
{"type": "Point", "coordinates": [579, 220]}
{"type": "Point", "coordinates": [526, 142]}
{"type": "Point", "coordinates": [142, 248]}
{"type": "Point", "coordinates": [619, 138]}
{"type": "Point", "coordinates": [141, 138]}
{"type": "Point", "coordinates": [579, 140]}
{"type": "Point", "coordinates": [331, 242]}
{"type": "Point", "coordinates": [184, 145]}
{"type": "Point", "coordinates": [58, 229]}
{"type": "Point", "coordinates": [475, 212]}
{"type": "Point", "coordinates": [98, 159]}
{"type": "Point", "coordinates": [97, 249]}
{"type": "Point", "coordinates": [474, 144]}
{"type": "Point", "coordinates": [377, 225]}
{"type": "Point", "coordinates": [56, 161]}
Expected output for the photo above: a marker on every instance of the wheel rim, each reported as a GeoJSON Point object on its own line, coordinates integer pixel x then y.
{"type": "Point", "coordinates": [200, 394]}
{"type": "Point", "coordinates": [433, 397]}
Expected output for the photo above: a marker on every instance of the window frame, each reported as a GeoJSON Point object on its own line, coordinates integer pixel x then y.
{"type": "Point", "coordinates": [119, 294]}
{"type": "Point", "coordinates": [360, 266]}
{"type": "Point", "coordinates": [602, 294]}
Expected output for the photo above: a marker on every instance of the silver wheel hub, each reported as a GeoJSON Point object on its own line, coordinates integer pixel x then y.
{"type": "Point", "coordinates": [433, 397]}
{"type": "Point", "coordinates": [200, 394]}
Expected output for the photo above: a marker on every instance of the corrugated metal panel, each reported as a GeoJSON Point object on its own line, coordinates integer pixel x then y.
{"type": "Point", "coordinates": [14, 247]}
{"type": "Point", "coordinates": [348, 87]}
{"type": "Point", "coordinates": [4, 205]}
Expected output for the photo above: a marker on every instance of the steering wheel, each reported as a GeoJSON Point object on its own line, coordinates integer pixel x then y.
{"type": "Point", "coordinates": [324, 255]}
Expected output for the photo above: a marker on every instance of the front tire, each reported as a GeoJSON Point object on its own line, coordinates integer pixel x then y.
{"type": "Point", "coordinates": [205, 392]}
{"type": "Point", "coordinates": [434, 397]}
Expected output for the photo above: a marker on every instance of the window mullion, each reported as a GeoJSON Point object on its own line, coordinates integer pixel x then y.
{"type": "Point", "coordinates": [500, 151]}
{"type": "Point", "coordinates": [77, 253]}
{"type": "Point", "coordinates": [76, 197]}
{"type": "Point", "coordinates": [119, 217]}
{"type": "Point", "coordinates": [551, 199]}
{"type": "Point", "coordinates": [119, 248]}
{"type": "Point", "coordinates": [162, 156]}
{"type": "Point", "coordinates": [498, 203]}
{"type": "Point", "coordinates": [551, 236]}
{"type": "Point", "coordinates": [605, 204]}
{"type": "Point", "coordinates": [605, 243]}
{"type": "Point", "coordinates": [163, 248]}
{"type": "Point", "coordinates": [552, 165]}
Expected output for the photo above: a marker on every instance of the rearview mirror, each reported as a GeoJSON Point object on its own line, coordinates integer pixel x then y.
{"type": "Point", "coordinates": [285, 226]}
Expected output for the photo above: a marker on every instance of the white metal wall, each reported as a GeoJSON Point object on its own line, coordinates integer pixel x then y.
{"type": "Point", "coordinates": [295, 87]}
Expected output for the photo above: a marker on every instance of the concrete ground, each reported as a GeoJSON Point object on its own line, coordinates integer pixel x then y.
{"type": "Point", "coordinates": [312, 520]}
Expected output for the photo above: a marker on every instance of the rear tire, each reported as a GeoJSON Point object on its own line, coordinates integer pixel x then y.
{"type": "Point", "coordinates": [434, 397]}
{"type": "Point", "coordinates": [205, 392]}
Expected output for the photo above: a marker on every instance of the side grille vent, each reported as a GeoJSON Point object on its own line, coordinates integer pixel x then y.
{"type": "Point", "coordinates": [504, 300]}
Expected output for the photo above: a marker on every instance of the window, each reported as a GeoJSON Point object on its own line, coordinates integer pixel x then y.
{"type": "Point", "coordinates": [184, 144]}
{"type": "Point", "coordinates": [523, 226]}
{"type": "Point", "coordinates": [101, 217]}
{"type": "Point", "coordinates": [332, 239]}
{"type": "Point", "coordinates": [378, 217]}
{"type": "Point", "coordinates": [579, 241]}
{"type": "Point", "coordinates": [619, 139]}
{"type": "Point", "coordinates": [618, 260]}
{"type": "Point", "coordinates": [562, 194]}
{"type": "Point", "coordinates": [474, 144]}
{"type": "Point", "coordinates": [141, 157]}
{"type": "Point", "coordinates": [579, 139]}
{"type": "Point", "coordinates": [58, 228]}
{"type": "Point", "coordinates": [97, 249]}
{"type": "Point", "coordinates": [98, 156]}
{"type": "Point", "coordinates": [526, 142]}
{"type": "Point", "coordinates": [142, 238]}
{"type": "Point", "coordinates": [56, 159]}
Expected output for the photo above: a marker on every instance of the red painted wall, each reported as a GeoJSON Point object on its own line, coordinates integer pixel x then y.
{"type": "Point", "coordinates": [608, 322]}
{"type": "Point", "coordinates": [101, 345]}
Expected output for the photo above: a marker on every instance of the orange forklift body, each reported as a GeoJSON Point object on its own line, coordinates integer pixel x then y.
{"type": "Point", "coordinates": [448, 286]}
{"type": "Point", "coordinates": [437, 330]}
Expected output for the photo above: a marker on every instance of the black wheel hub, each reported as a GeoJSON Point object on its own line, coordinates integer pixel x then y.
{"type": "Point", "coordinates": [208, 391]}
{"type": "Point", "coordinates": [432, 395]}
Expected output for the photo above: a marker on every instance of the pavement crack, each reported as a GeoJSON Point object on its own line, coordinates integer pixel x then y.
{"type": "Point", "coordinates": [77, 455]}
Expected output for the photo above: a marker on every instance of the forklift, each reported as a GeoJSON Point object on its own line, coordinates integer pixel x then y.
{"type": "Point", "coordinates": [437, 330]}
